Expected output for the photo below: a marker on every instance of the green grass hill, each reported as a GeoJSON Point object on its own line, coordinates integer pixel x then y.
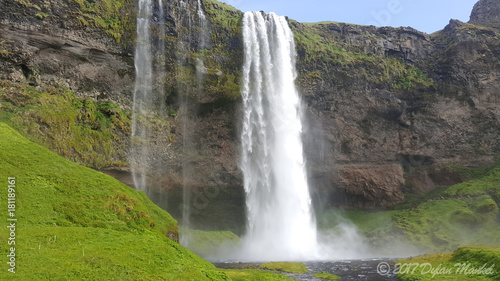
{"type": "Point", "coordinates": [74, 223]}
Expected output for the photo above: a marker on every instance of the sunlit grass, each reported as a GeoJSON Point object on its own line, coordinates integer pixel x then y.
{"type": "Point", "coordinates": [290, 267]}
{"type": "Point", "coordinates": [326, 276]}
{"type": "Point", "coordinates": [75, 223]}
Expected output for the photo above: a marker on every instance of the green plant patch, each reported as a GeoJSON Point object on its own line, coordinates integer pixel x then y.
{"type": "Point", "coordinates": [208, 243]}
{"type": "Point", "coordinates": [94, 134]}
{"type": "Point", "coordinates": [465, 263]}
{"type": "Point", "coordinates": [326, 276]}
{"type": "Point", "coordinates": [290, 267]}
{"type": "Point", "coordinates": [108, 15]}
{"type": "Point", "coordinates": [253, 275]}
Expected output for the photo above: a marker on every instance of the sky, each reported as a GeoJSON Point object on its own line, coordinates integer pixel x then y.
{"type": "Point", "coordinates": [425, 15]}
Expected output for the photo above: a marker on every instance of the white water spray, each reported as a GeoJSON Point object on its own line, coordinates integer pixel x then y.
{"type": "Point", "coordinates": [281, 224]}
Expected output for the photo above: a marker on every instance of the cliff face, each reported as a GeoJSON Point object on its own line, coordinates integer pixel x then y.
{"type": "Point", "coordinates": [389, 110]}
{"type": "Point", "coordinates": [62, 44]}
{"type": "Point", "coordinates": [487, 13]}
{"type": "Point", "coordinates": [398, 108]}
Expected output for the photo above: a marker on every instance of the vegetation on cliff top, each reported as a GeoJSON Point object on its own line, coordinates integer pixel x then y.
{"type": "Point", "coordinates": [108, 15]}
{"type": "Point", "coordinates": [112, 16]}
{"type": "Point", "coordinates": [225, 57]}
{"type": "Point", "coordinates": [322, 54]}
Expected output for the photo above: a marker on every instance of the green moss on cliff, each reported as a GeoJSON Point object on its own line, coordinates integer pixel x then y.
{"type": "Point", "coordinates": [412, 78]}
{"type": "Point", "coordinates": [487, 184]}
{"type": "Point", "coordinates": [478, 30]}
{"type": "Point", "coordinates": [225, 57]}
{"type": "Point", "coordinates": [224, 16]}
{"type": "Point", "coordinates": [326, 56]}
{"type": "Point", "coordinates": [29, 4]}
{"type": "Point", "coordinates": [225, 88]}
{"type": "Point", "coordinates": [115, 17]}
{"type": "Point", "coordinates": [91, 133]}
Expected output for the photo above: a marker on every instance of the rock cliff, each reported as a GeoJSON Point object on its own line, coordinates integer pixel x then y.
{"type": "Point", "coordinates": [398, 109]}
{"type": "Point", "coordinates": [486, 12]}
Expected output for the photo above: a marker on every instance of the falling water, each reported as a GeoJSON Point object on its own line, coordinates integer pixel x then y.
{"type": "Point", "coordinates": [193, 38]}
{"type": "Point", "coordinates": [142, 91]}
{"type": "Point", "coordinates": [183, 53]}
{"type": "Point", "coordinates": [160, 54]}
{"type": "Point", "coordinates": [202, 44]}
{"type": "Point", "coordinates": [281, 224]}
{"type": "Point", "coordinates": [149, 93]}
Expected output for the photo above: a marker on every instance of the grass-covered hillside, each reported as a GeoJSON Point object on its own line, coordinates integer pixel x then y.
{"type": "Point", "coordinates": [478, 263]}
{"type": "Point", "coordinates": [74, 223]}
{"type": "Point", "coordinates": [440, 220]}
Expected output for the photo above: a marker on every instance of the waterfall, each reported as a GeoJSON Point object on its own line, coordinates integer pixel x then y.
{"type": "Point", "coordinates": [202, 44]}
{"type": "Point", "coordinates": [280, 222]}
{"type": "Point", "coordinates": [142, 92]}
{"type": "Point", "coordinates": [149, 91]}
{"type": "Point", "coordinates": [193, 37]}
{"type": "Point", "coordinates": [160, 55]}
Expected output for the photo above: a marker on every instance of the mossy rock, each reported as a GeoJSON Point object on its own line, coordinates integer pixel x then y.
{"type": "Point", "coordinates": [94, 134]}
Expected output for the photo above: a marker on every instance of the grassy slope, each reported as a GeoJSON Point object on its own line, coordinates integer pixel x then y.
{"type": "Point", "coordinates": [206, 244]}
{"type": "Point", "coordinates": [441, 220]}
{"type": "Point", "coordinates": [291, 267]}
{"type": "Point", "coordinates": [326, 276]}
{"type": "Point", "coordinates": [476, 256]}
{"type": "Point", "coordinates": [76, 223]}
